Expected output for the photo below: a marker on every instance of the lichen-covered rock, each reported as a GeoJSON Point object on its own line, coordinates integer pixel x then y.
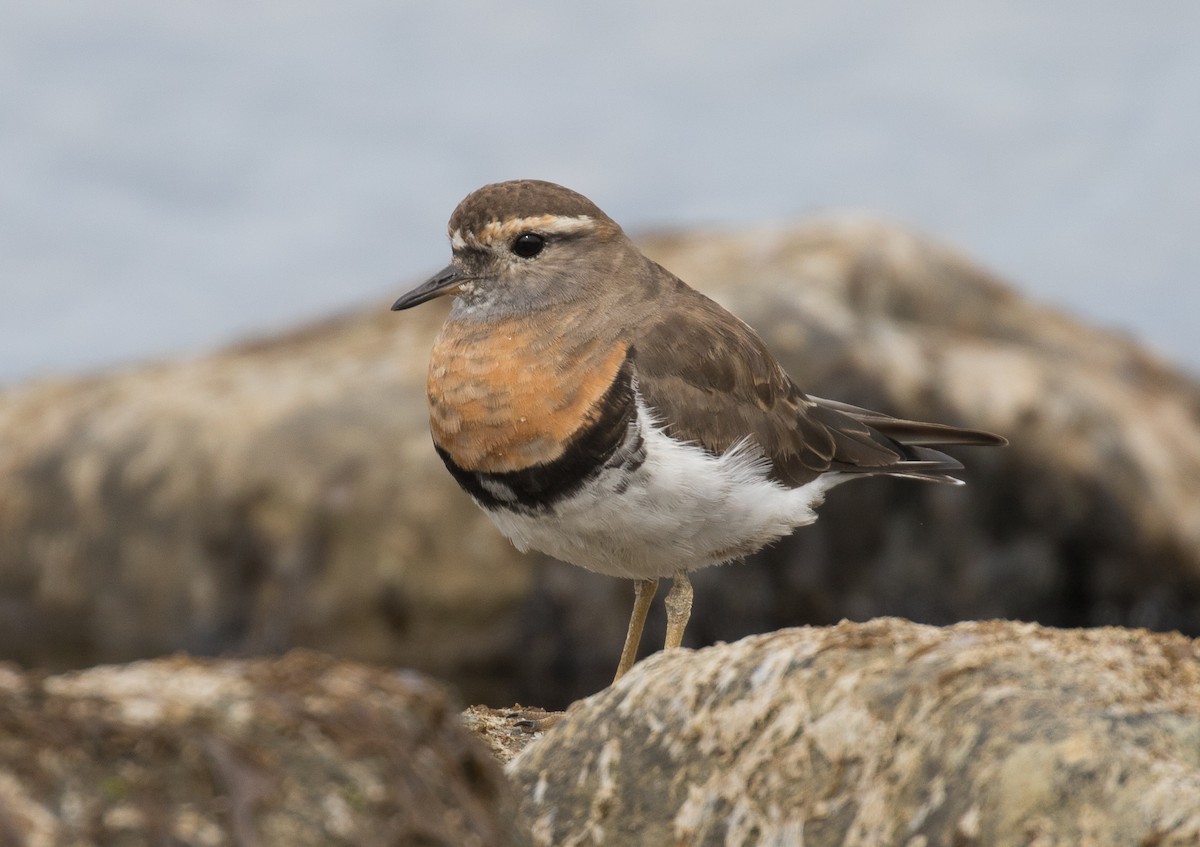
{"type": "Point", "coordinates": [294, 751]}
{"type": "Point", "coordinates": [286, 493]}
{"type": "Point", "coordinates": [888, 732]}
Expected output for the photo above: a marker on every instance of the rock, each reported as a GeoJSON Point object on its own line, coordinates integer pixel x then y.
{"type": "Point", "coordinates": [285, 493]}
{"type": "Point", "coordinates": [296, 751]}
{"type": "Point", "coordinates": [888, 732]}
{"type": "Point", "coordinates": [505, 731]}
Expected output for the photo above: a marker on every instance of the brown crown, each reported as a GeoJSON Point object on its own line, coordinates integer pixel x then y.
{"type": "Point", "coordinates": [520, 198]}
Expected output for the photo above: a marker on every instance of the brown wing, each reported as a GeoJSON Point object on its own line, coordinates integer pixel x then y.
{"type": "Point", "coordinates": [712, 381]}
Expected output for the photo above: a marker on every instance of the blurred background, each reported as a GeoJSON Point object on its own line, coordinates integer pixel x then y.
{"type": "Point", "coordinates": [176, 175]}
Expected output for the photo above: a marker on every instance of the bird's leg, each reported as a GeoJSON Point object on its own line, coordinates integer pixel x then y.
{"type": "Point", "coordinates": [679, 609]}
{"type": "Point", "coordinates": [643, 596]}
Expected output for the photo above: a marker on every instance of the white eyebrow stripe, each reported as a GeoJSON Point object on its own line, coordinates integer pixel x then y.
{"type": "Point", "coordinates": [502, 231]}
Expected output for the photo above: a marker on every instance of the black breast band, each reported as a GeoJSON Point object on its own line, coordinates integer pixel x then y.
{"type": "Point", "coordinates": [589, 449]}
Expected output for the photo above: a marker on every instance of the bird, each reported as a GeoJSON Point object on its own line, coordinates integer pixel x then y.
{"type": "Point", "coordinates": [601, 411]}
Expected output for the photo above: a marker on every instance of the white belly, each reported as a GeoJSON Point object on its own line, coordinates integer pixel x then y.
{"type": "Point", "coordinates": [682, 509]}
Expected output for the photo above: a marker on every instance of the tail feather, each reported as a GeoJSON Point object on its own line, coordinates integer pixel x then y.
{"type": "Point", "coordinates": [915, 432]}
{"type": "Point", "coordinates": [869, 442]}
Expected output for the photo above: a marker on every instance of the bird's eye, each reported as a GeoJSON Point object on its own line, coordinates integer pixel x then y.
{"type": "Point", "coordinates": [528, 244]}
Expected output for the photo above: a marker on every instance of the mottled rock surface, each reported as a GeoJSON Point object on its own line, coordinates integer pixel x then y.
{"type": "Point", "coordinates": [285, 493]}
{"type": "Point", "coordinates": [295, 751]}
{"type": "Point", "coordinates": [888, 732]}
{"type": "Point", "coordinates": [505, 731]}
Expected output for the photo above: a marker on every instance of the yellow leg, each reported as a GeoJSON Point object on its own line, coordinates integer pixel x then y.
{"type": "Point", "coordinates": [679, 609]}
{"type": "Point", "coordinates": [643, 596]}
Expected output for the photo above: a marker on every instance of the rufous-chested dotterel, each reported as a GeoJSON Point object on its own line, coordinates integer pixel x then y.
{"type": "Point", "coordinates": [603, 412]}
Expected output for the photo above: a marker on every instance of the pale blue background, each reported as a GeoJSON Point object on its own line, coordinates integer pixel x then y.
{"type": "Point", "coordinates": [174, 175]}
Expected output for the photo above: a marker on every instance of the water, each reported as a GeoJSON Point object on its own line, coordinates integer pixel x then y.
{"type": "Point", "coordinates": [177, 175]}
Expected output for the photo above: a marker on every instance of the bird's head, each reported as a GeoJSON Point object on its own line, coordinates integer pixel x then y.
{"type": "Point", "coordinates": [526, 245]}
